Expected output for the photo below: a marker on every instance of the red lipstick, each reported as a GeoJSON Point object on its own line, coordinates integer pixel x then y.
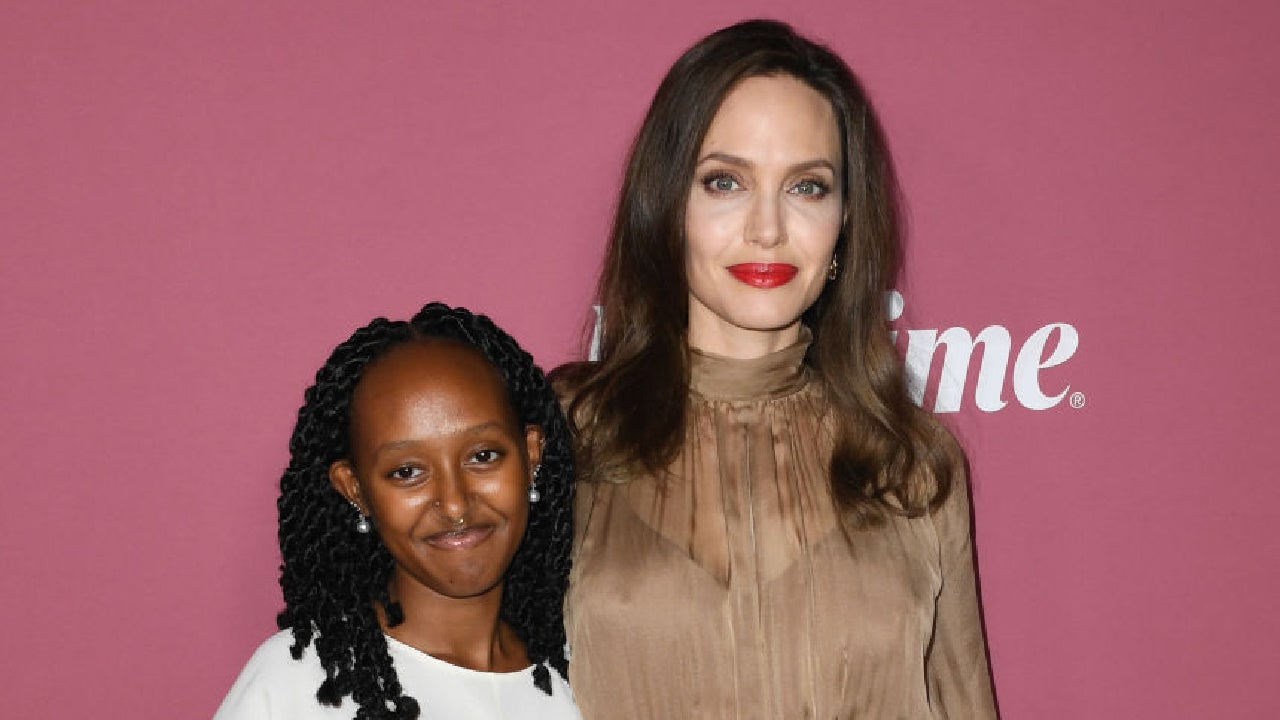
{"type": "Point", "coordinates": [764, 275]}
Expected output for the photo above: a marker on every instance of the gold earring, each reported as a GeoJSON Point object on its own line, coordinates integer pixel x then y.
{"type": "Point", "coordinates": [835, 268]}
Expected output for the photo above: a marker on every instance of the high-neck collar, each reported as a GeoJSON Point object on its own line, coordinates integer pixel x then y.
{"type": "Point", "coordinates": [779, 373]}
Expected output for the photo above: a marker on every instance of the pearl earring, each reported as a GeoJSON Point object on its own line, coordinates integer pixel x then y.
{"type": "Point", "coordinates": [363, 526]}
{"type": "Point", "coordinates": [534, 495]}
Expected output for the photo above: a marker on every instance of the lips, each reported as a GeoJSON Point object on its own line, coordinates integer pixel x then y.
{"type": "Point", "coordinates": [763, 275]}
{"type": "Point", "coordinates": [460, 539]}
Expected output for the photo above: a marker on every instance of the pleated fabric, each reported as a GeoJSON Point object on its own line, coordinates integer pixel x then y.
{"type": "Point", "coordinates": [726, 589]}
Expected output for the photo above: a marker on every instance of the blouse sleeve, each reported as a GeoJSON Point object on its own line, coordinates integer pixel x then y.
{"type": "Point", "coordinates": [247, 699]}
{"type": "Point", "coordinates": [273, 684]}
{"type": "Point", "coordinates": [957, 672]}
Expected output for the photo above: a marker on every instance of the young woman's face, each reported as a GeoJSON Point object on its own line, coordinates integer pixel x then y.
{"type": "Point", "coordinates": [764, 211]}
{"type": "Point", "coordinates": [441, 464]}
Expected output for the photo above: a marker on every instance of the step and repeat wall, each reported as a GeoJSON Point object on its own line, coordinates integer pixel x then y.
{"type": "Point", "coordinates": [201, 199]}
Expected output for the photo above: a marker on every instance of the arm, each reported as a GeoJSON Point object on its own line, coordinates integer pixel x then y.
{"type": "Point", "coordinates": [956, 668]}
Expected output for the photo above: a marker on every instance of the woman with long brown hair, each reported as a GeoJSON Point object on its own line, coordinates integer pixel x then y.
{"type": "Point", "coordinates": [767, 527]}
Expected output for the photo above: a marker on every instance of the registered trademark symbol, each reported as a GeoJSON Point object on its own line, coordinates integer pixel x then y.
{"type": "Point", "coordinates": [1077, 400]}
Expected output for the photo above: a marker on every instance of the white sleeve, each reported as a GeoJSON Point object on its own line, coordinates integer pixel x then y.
{"type": "Point", "coordinates": [270, 683]}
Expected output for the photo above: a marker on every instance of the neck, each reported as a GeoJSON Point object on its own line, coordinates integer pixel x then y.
{"type": "Point", "coordinates": [461, 631]}
{"type": "Point", "coordinates": [739, 343]}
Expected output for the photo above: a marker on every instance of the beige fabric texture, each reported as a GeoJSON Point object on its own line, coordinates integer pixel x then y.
{"type": "Point", "coordinates": [728, 590]}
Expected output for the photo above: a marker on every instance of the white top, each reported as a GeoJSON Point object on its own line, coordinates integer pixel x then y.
{"type": "Point", "coordinates": [274, 686]}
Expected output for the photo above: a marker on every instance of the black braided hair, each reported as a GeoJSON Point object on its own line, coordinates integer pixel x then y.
{"type": "Point", "coordinates": [331, 573]}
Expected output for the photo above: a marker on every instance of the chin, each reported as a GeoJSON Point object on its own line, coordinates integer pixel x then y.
{"type": "Point", "coordinates": [466, 588]}
{"type": "Point", "coordinates": [770, 319]}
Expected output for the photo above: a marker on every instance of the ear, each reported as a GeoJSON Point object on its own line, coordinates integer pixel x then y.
{"type": "Point", "coordinates": [533, 443]}
{"type": "Point", "coordinates": [343, 478]}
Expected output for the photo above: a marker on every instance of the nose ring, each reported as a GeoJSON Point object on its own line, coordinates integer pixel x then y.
{"type": "Point", "coordinates": [461, 519]}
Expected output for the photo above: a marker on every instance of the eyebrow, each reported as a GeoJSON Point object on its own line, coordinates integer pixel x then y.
{"type": "Point", "coordinates": [745, 163]}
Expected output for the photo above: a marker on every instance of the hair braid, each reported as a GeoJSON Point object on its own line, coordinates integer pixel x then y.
{"type": "Point", "coordinates": [331, 574]}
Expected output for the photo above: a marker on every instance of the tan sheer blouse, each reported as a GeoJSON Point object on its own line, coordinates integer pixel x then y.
{"type": "Point", "coordinates": [730, 591]}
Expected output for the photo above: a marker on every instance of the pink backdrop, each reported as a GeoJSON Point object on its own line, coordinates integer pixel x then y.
{"type": "Point", "coordinates": [199, 200]}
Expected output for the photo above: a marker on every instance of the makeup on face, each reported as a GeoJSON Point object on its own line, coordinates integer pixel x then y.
{"type": "Point", "coordinates": [764, 212]}
{"type": "Point", "coordinates": [764, 275]}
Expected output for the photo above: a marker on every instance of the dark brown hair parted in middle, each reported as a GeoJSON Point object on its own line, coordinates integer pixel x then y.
{"type": "Point", "coordinates": [628, 409]}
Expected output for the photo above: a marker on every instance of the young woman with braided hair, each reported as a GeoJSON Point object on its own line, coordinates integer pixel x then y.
{"type": "Point", "coordinates": [425, 529]}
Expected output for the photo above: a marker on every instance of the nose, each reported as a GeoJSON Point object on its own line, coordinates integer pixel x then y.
{"type": "Point", "coordinates": [453, 497]}
{"type": "Point", "coordinates": [766, 225]}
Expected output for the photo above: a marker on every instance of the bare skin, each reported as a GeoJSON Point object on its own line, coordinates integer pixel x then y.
{"type": "Point", "coordinates": [441, 465]}
{"type": "Point", "coordinates": [766, 195]}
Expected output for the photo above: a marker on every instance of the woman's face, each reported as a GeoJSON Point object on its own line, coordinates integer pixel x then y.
{"type": "Point", "coordinates": [764, 211]}
{"type": "Point", "coordinates": [440, 462]}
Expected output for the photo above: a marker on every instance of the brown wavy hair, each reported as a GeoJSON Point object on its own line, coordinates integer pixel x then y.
{"type": "Point", "coordinates": [628, 409]}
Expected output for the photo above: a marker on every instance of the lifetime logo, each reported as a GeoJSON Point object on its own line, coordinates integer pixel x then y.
{"type": "Point", "coordinates": [997, 347]}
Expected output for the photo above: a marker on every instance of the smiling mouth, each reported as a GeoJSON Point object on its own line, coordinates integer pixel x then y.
{"type": "Point", "coordinates": [763, 275]}
{"type": "Point", "coordinates": [461, 538]}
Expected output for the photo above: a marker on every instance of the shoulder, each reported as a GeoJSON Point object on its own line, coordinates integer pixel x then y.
{"type": "Point", "coordinates": [954, 459]}
{"type": "Point", "coordinates": [942, 468]}
{"type": "Point", "coordinates": [562, 704]}
{"type": "Point", "coordinates": [272, 681]}
{"type": "Point", "coordinates": [559, 705]}
{"type": "Point", "coordinates": [275, 653]}
{"type": "Point", "coordinates": [953, 512]}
